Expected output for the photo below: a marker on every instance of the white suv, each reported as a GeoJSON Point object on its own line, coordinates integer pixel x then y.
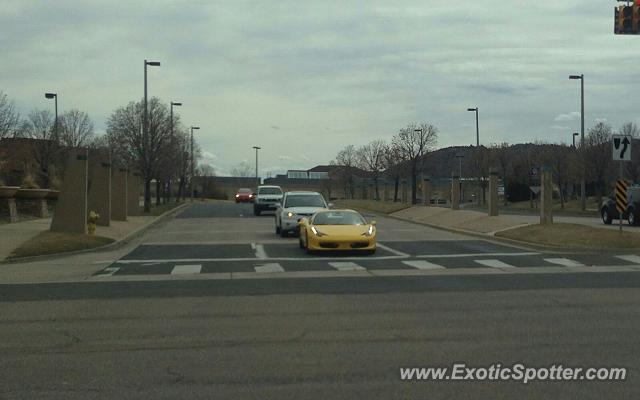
{"type": "Point", "coordinates": [266, 198]}
{"type": "Point", "coordinates": [296, 205]}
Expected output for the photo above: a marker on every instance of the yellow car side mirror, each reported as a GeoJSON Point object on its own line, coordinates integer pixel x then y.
{"type": "Point", "coordinates": [302, 221]}
{"type": "Point", "coordinates": [373, 223]}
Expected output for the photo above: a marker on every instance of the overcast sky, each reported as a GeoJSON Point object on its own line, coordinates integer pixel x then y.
{"type": "Point", "coordinates": [302, 79]}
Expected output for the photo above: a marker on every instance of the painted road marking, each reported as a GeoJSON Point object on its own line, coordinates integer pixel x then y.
{"type": "Point", "coordinates": [236, 259]}
{"type": "Point", "coordinates": [186, 269]}
{"type": "Point", "coordinates": [109, 271]}
{"type": "Point", "coordinates": [346, 266]}
{"type": "Point", "coordinates": [272, 267]}
{"type": "Point", "coordinates": [494, 264]}
{"type": "Point", "coordinates": [260, 253]}
{"type": "Point", "coordinates": [477, 255]}
{"type": "Point", "coordinates": [394, 251]}
{"type": "Point", "coordinates": [631, 258]}
{"type": "Point", "coordinates": [421, 264]}
{"type": "Point", "coordinates": [565, 262]}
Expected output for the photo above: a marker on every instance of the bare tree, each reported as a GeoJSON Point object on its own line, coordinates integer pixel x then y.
{"type": "Point", "coordinates": [501, 156]}
{"type": "Point", "coordinates": [243, 170]}
{"type": "Point", "coordinates": [206, 170]}
{"type": "Point", "coordinates": [9, 118]}
{"type": "Point", "coordinates": [597, 155]}
{"type": "Point", "coordinates": [394, 167]}
{"type": "Point", "coordinates": [124, 128]}
{"type": "Point", "coordinates": [370, 158]}
{"type": "Point", "coordinates": [414, 143]}
{"type": "Point", "coordinates": [44, 146]}
{"type": "Point", "coordinates": [346, 160]}
{"type": "Point", "coordinates": [76, 128]}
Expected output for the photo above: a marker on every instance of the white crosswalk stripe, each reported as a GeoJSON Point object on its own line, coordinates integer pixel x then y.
{"type": "Point", "coordinates": [347, 266]}
{"type": "Point", "coordinates": [565, 262]}
{"type": "Point", "coordinates": [271, 267]}
{"type": "Point", "coordinates": [494, 263]}
{"type": "Point", "coordinates": [420, 264]}
{"type": "Point", "coordinates": [631, 258]}
{"type": "Point", "coordinates": [186, 269]}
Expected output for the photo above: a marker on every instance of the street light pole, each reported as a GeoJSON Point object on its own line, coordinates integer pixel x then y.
{"type": "Point", "coordinates": [574, 139]}
{"type": "Point", "coordinates": [257, 148]}
{"type": "Point", "coordinates": [460, 157]}
{"type": "Point", "coordinates": [55, 122]}
{"type": "Point", "coordinates": [192, 163]}
{"type": "Point", "coordinates": [475, 109]}
{"type": "Point", "coordinates": [145, 138]}
{"type": "Point", "coordinates": [583, 184]}
{"type": "Point", "coordinates": [181, 152]}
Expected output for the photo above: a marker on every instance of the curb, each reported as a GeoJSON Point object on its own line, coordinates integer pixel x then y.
{"type": "Point", "coordinates": [113, 245]}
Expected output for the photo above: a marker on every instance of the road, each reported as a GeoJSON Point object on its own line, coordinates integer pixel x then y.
{"type": "Point", "coordinates": [212, 304]}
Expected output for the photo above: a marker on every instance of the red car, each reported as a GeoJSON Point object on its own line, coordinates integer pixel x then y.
{"type": "Point", "coordinates": [244, 195]}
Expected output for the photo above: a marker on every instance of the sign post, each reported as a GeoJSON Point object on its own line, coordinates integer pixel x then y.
{"type": "Point", "coordinates": [621, 153]}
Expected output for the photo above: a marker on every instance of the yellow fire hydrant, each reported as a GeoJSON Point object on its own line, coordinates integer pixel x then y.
{"type": "Point", "coordinates": [91, 222]}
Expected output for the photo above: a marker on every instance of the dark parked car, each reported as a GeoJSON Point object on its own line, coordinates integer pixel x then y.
{"type": "Point", "coordinates": [244, 195]}
{"type": "Point", "coordinates": [609, 212]}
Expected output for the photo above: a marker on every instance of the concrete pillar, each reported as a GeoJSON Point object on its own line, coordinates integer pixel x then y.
{"type": "Point", "coordinates": [70, 215]}
{"type": "Point", "coordinates": [43, 208]}
{"type": "Point", "coordinates": [99, 193]}
{"type": "Point", "coordinates": [13, 210]}
{"type": "Point", "coordinates": [404, 191]}
{"type": "Point", "coordinates": [119, 194]}
{"type": "Point", "coordinates": [455, 192]}
{"type": "Point", "coordinates": [134, 183]}
{"type": "Point", "coordinates": [493, 192]}
{"type": "Point", "coordinates": [426, 191]}
{"type": "Point", "coordinates": [546, 197]}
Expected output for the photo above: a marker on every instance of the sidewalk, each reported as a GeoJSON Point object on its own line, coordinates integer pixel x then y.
{"type": "Point", "coordinates": [479, 222]}
{"type": "Point", "coordinates": [14, 235]}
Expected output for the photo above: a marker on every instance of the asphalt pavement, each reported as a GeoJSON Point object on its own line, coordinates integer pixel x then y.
{"type": "Point", "coordinates": [212, 303]}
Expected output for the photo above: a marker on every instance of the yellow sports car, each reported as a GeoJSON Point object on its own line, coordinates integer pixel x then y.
{"type": "Point", "coordinates": [331, 230]}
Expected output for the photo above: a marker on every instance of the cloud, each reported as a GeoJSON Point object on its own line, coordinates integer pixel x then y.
{"type": "Point", "coordinates": [361, 69]}
{"type": "Point", "coordinates": [572, 116]}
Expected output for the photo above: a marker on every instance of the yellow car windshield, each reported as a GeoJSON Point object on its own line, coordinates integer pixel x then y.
{"type": "Point", "coordinates": [338, 218]}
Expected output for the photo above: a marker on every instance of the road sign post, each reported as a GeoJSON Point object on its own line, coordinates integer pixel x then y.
{"type": "Point", "coordinates": [621, 198]}
{"type": "Point", "coordinates": [621, 147]}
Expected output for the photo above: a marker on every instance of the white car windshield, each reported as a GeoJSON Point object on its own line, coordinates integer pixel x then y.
{"type": "Point", "coordinates": [304, 200]}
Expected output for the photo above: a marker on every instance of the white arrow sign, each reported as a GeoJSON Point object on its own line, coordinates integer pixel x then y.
{"type": "Point", "coordinates": [621, 147]}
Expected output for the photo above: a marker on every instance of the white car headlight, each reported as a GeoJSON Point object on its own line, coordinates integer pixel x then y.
{"type": "Point", "coordinates": [369, 231]}
{"type": "Point", "coordinates": [290, 214]}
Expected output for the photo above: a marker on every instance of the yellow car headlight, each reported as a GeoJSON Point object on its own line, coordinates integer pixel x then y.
{"type": "Point", "coordinates": [369, 231]}
{"type": "Point", "coordinates": [316, 231]}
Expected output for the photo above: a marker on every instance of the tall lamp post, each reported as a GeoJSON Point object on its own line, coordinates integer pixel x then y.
{"type": "Point", "coordinates": [192, 163]}
{"type": "Point", "coordinates": [145, 137]}
{"type": "Point", "coordinates": [475, 109]}
{"type": "Point", "coordinates": [55, 122]}
{"type": "Point", "coordinates": [583, 196]}
{"type": "Point", "coordinates": [257, 148]}
{"type": "Point", "coordinates": [172, 104]}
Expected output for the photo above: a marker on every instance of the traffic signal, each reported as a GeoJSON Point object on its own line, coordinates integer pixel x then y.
{"type": "Point", "coordinates": [627, 19]}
